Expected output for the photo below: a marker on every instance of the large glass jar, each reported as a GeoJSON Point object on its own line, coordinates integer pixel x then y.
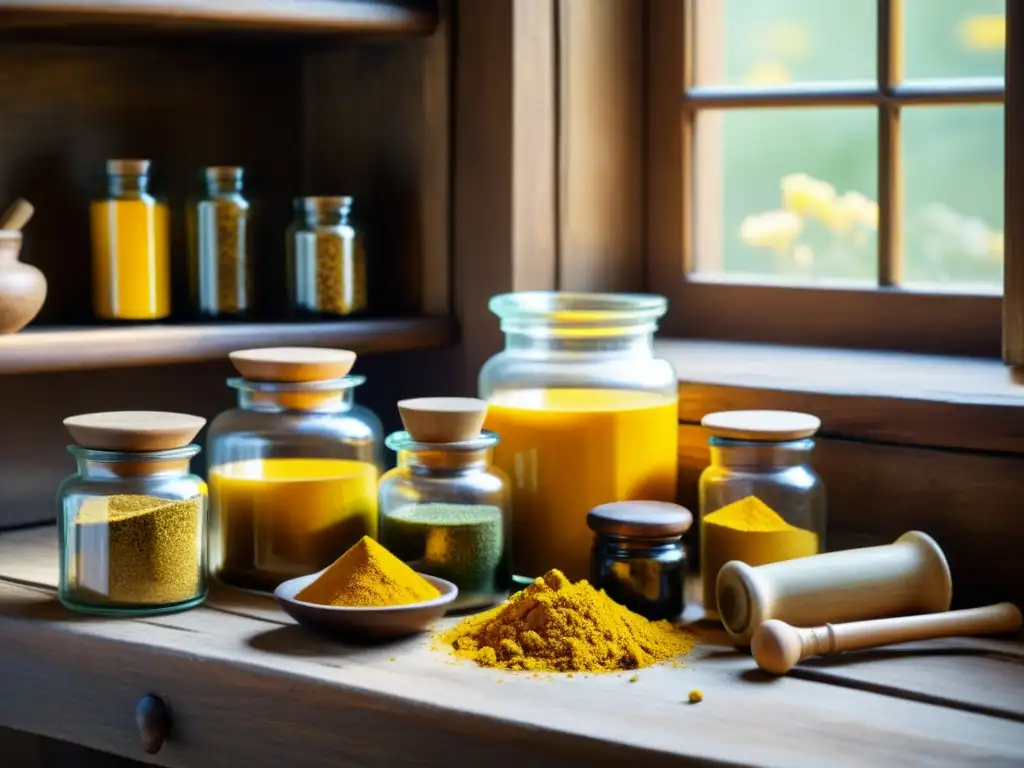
{"type": "Point", "coordinates": [327, 259]}
{"type": "Point", "coordinates": [220, 238]}
{"type": "Point", "coordinates": [131, 263]}
{"type": "Point", "coordinates": [132, 527]}
{"type": "Point", "coordinates": [293, 479]}
{"type": "Point", "coordinates": [444, 510]}
{"type": "Point", "coordinates": [760, 499]}
{"type": "Point", "coordinates": [586, 414]}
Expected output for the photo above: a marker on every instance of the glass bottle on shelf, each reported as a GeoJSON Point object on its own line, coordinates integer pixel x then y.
{"type": "Point", "coordinates": [132, 519]}
{"type": "Point", "coordinates": [293, 468]}
{"type": "Point", "coordinates": [327, 259]}
{"type": "Point", "coordinates": [761, 470]}
{"type": "Point", "coordinates": [586, 414]}
{"type": "Point", "coordinates": [220, 260]}
{"type": "Point", "coordinates": [445, 508]}
{"type": "Point", "coordinates": [130, 247]}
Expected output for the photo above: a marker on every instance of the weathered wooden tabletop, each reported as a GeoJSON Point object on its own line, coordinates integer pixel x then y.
{"type": "Point", "coordinates": [246, 686]}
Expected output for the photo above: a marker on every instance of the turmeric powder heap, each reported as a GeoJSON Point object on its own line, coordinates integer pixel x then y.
{"type": "Point", "coordinates": [556, 626]}
{"type": "Point", "coordinates": [751, 531]}
{"type": "Point", "coordinates": [367, 575]}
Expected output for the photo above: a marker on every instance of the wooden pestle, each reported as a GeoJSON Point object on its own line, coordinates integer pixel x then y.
{"type": "Point", "coordinates": [906, 577]}
{"type": "Point", "coordinates": [17, 216]}
{"type": "Point", "coordinates": [778, 646]}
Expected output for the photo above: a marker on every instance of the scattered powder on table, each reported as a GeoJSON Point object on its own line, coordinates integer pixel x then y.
{"type": "Point", "coordinates": [556, 626]}
{"type": "Point", "coordinates": [368, 575]}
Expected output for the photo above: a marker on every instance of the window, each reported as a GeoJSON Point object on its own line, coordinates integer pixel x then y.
{"type": "Point", "coordinates": [829, 173]}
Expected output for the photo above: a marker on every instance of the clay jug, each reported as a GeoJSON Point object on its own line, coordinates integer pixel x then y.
{"type": "Point", "coordinates": [22, 286]}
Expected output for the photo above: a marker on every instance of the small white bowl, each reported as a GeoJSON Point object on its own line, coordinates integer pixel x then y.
{"type": "Point", "coordinates": [386, 622]}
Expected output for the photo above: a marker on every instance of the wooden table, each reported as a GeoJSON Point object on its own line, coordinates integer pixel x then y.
{"type": "Point", "coordinates": [247, 687]}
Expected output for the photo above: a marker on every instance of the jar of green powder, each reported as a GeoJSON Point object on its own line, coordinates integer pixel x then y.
{"type": "Point", "coordinates": [444, 509]}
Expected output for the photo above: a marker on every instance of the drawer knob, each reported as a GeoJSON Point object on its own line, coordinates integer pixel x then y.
{"type": "Point", "coordinates": [154, 723]}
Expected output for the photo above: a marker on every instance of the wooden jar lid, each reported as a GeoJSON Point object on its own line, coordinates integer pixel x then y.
{"type": "Point", "coordinates": [761, 426]}
{"type": "Point", "coordinates": [134, 431]}
{"type": "Point", "coordinates": [293, 364]}
{"type": "Point", "coordinates": [640, 519]}
{"type": "Point", "coordinates": [443, 419]}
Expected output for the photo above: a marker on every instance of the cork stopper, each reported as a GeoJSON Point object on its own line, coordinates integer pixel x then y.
{"type": "Point", "coordinates": [134, 431]}
{"type": "Point", "coordinates": [293, 364]}
{"type": "Point", "coordinates": [761, 426]}
{"type": "Point", "coordinates": [443, 419]}
{"type": "Point", "coordinates": [127, 167]}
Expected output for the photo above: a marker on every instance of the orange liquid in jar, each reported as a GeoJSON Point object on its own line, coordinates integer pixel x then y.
{"type": "Point", "coordinates": [275, 519]}
{"type": "Point", "coordinates": [131, 268]}
{"type": "Point", "coordinates": [568, 450]}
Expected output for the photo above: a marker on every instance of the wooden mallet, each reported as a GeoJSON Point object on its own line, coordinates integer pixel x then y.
{"type": "Point", "coordinates": [778, 646]}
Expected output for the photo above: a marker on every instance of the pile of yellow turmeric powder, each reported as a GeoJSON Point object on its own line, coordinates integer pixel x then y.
{"type": "Point", "coordinates": [367, 575]}
{"type": "Point", "coordinates": [556, 626]}
{"type": "Point", "coordinates": [751, 531]}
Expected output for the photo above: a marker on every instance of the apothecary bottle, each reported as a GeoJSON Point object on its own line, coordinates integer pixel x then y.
{"type": "Point", "coordinates": [444, 509]}
{"type": "Point", "coordinates": [132, 528]}
{"type": "Point", "coordinates": [130, 246]}
{"type": "Point", "coordinates": [293, 469]}
{"type": "Point", "coordinates": [220, 258]}
{"type": "Point", "coordinates": [760, 468]}
{"type": "Point", "coordinates": [638, 557]}
{"type": "Point", "coordinates": [586, 412]}
{"type": "Point", "coordinates": [327, 259]}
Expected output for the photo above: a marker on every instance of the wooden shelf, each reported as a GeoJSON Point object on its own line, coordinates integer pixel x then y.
{"type": "Point", "coordinates": [33, 351]}
{"type": "Point", "coordinates": [295, 17]}
{"type": "Point", "coordinates": [246, 686]}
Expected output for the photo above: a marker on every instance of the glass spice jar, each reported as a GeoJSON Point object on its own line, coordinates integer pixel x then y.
{"type": "Point", "coordinates": [638, 556]}
{"type": "Point", "coordinates": [587, 415]}
{"type": "Point", "coordinates": [327, 259]}
{"type": "Point", "coordinates": [444, 510]}
{"type": "Point", "coordinates": [293, 468]}
{"type": "Point", "coordinates": [131, 263]}
{"type": "Point", "coordinates": [132, 519]}
{"type": "Point", "coordinates": [220, 263]}
{"type": "Point", "coordinates": [760, 499]}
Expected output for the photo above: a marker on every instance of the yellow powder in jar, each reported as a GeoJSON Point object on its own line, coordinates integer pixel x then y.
{"type": "Point", "coordinates": [135, 550]}
{"type": "Point", "coordinates": [367, 575]}
{"type": "Point", "coordinates": [751, 531]}
{"type": "Point", "coordinates": [556, 626]}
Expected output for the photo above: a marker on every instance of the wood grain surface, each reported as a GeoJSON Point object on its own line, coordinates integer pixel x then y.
{"type": "Point", "coordinates": [894, 398]}
{"type": "Point", "coordinates": [257, 690]}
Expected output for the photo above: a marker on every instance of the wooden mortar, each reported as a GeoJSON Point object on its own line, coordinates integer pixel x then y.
{"type": "Point", "coordinates": [908, 576]}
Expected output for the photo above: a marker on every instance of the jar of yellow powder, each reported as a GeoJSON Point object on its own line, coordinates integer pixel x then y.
{"type": "Point", "coordinates": [293, 468]}
{"type": "Point", "coordinates": [760, 499]}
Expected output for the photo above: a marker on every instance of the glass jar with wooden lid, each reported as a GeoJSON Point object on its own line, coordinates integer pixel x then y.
{"type": "Point", "coordinates": [760, 499]}
{"type": "Point", "coordinates": [293, 468]}
{"type": "Point", "coordinates": [132, 519]}
{"type": "Point", "coordinates": [445, 508]}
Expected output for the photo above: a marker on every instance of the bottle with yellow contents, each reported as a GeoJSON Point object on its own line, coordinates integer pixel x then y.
{"type": "Point", "coordinates": [130, 247]}
{"type": "Point", "coordinates": [586, 413]}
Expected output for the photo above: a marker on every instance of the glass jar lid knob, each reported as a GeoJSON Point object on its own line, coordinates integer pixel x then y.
{"type": "Point", "coordinates": [640, 519]}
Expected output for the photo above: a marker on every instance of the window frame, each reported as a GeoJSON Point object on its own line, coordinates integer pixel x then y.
{"type": "Point", "coordinates": [880, 318]}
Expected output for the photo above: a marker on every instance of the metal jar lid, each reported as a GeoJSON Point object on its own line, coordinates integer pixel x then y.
{"type": "Point", "coordinates": [640, 519]}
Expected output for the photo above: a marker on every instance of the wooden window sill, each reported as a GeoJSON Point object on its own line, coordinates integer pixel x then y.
{"type": "Point", "coordinates": [247, 687]}
{"type": "Point", "coordinates": [885, 397]}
